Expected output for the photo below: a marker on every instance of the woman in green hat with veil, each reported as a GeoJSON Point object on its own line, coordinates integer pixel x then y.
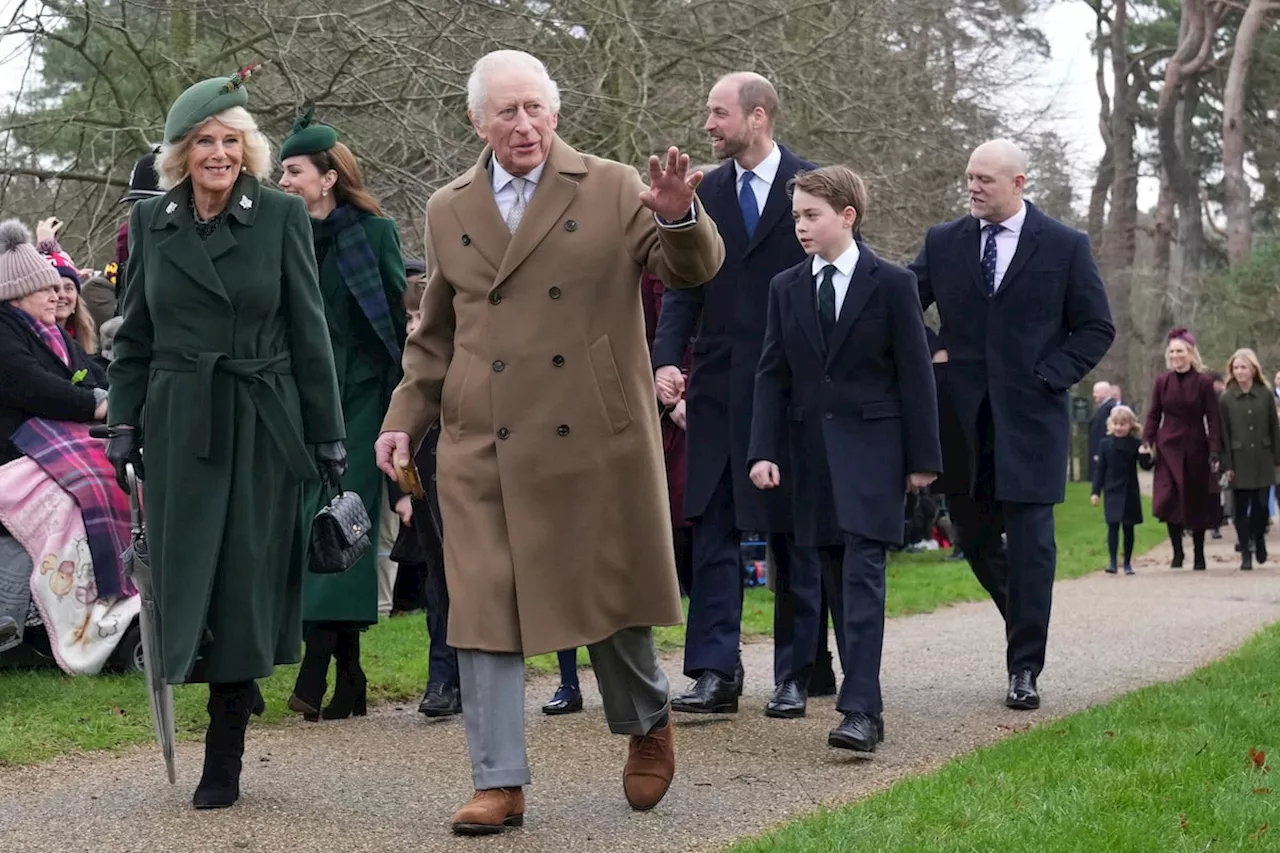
{"type": "Point", "coordinates": [224, 373]}
{"type": "Point", "coordinates": [362, 281]}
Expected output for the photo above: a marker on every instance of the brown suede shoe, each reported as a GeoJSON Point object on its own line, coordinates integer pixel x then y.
{"type": "Point", "coordinates": [490, 811]}
{"type": "Point", "coordinates": [651, 762]}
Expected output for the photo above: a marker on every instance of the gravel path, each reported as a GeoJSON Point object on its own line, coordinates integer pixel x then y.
{"type": "Point", "coordinates": [389, 782]}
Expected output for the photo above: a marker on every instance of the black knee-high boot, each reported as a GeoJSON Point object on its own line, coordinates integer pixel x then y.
{"type": "Point", "coordinates": [1197, 542]}
{"type": "Point", "coordinates": [229, 707]}
{"type": "Point", "coordinates": [1175, 539]}
{"type": "Point", "coordinates": [351, 688]}
{"type": "Point", "coordinates": [308, 691]}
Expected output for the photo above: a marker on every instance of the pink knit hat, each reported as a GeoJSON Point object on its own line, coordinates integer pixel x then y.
{"type": "Point", "coordinates": [23, 270]}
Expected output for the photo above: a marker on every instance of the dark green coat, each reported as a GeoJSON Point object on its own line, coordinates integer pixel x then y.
{"type": "Point", "coordinates": [366, 377]}
{"type": "Point", "coordinates": [1250, 436]}
{"type": "Point", "coordinates": [224, 360]}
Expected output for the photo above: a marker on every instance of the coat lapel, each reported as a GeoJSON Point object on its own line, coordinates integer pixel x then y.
{"type": "Point", "coordinates": [728, 216]}
{"type": "Point", "coordinates": [804, 295]}
{"type": "Point", "coordinates": [1028, 242]}
{"type": "Point", "coordinates": [477, 213]}
{"type": "Point", "coordinates": [183, 247]}
{"type": "Point", "coordinates": [970, 249]}
{"type": "Point", "coordinates": [550, 199]}
{"type": "Point", "coordinates": [861, 286]}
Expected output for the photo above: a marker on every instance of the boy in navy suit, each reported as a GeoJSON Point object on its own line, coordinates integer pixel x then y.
{"type": "Point", "coordinates": [845, 387]}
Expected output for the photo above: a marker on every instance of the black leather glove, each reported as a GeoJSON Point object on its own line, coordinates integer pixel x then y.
{"type": "Point", "coordinates": [331, 459]}
{"type": "Point", "coordinates": [123, 448]}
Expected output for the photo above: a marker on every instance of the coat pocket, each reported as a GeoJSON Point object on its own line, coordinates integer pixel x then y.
{"type": "Point", "coordinates": [881, 409]}
{"type": "Point", "coordinates": [609, 385]}
{"type": "Point", "coordinates": [453, 393]}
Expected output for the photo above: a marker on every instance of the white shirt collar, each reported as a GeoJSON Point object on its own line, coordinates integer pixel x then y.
{"type": "Point", "coordinates": [766, 170]}
{"type": "Point", "coordinates": [844, 264]}
{"type": "Point", "coordinates": [1013, 224]}
{"type": "Point", "coordinates": [501, 177]}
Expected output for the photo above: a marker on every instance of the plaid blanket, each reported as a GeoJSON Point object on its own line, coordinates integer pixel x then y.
{"type": "Point", "coordinates": [80, 466]}
{"type": "Point", "coordinates": [359, 269]}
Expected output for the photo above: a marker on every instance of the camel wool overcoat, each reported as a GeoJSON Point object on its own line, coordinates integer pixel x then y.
{"type": "Point", "coordinates": [532, 353]}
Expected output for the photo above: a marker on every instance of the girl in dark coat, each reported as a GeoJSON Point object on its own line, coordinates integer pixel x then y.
{"type": "Point", "coordinates": [1184, 425]}
{"type": "Point", "coordinates": [1115, 478]}
{"type": "Point", "coordinates": [1250, 451]}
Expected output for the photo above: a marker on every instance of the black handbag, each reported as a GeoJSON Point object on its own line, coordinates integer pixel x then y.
{"type": "Point", "coordinates": [339, 534]}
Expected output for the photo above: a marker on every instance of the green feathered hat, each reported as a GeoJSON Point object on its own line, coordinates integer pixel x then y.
{"type": "Point", "coordinates": [308, 137]}
{"type": "Point", "coordinates": [205, 100]}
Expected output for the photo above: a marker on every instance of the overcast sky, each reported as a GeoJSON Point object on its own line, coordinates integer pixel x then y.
{"type": "Point", "coordinates": [1065, 82]}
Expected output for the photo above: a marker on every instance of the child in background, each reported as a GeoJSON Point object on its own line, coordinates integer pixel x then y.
{"type": "Point", "coordinates": [420, 547]}
{"type": "Point", "coordinates": [1116, 478]}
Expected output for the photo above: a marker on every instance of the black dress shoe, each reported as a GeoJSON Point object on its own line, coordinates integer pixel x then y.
{"type": "Point", "coordinates": [713, 693]}
{"type": "Point", "coordinates": [568, 700]}
{"type": "Point", "coordinates": [857, 731]}
{"type": "Point", "coordinates": [788, 702]}
{"type": "Point", "coordinates": [1246, 562]}
{"type": "Point", "coordinates": [1260, 546]}
{"type": "Point", "coordinates": [1022, 692]}
{"type": "Point", "coordinates": [740, 674]}
{"type": "Point", "coordinates": [440, 700]}
{"type": "Point", "coordinates": [822, 677]}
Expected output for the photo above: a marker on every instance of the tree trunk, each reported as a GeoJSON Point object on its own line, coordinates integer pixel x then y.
{"type": "Point", "coordinates": [1237, 200]}
{"type": "Point", "coordinates": [1119, 240]}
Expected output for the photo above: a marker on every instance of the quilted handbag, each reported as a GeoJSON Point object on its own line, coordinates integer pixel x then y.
{"type": "Point", "coordinates": [339, 534]}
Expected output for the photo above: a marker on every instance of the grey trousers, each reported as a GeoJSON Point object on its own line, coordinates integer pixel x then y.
{"type": "Point", "coordinates": [15, 583]}
{"type": "Point", "coordinates": [634, 689]}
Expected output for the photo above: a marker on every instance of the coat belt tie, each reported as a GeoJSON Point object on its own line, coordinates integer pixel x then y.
{"type": "Point", "coordinates": [269, 407]}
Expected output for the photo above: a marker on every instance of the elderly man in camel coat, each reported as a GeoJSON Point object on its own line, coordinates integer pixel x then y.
{"type": "Point", "coordinates": [552, 494]}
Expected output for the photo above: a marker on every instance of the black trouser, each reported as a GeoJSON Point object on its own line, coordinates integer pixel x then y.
{"type": "Point", "coordinates": [1019, 578]}
{"type": "Point", "coordinates": [1113, 542]}
{"type": "Point", "coordinates": [855, 580]}
{"type": "Point", "coordinates": [1250, 516]}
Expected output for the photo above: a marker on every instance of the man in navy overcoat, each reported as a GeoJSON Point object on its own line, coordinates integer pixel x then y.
{"type": "Point", "coordinates": [1024, 316]}
{"type": "Point", "coordinates": [747, 198]}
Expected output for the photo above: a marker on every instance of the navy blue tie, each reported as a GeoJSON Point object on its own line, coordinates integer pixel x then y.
{"type": "Point", "coordinates": [989, 257]}
{"type": "Point", "coordinates": [747, 203]}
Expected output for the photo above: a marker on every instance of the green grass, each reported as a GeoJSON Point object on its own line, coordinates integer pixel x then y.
{"type": "Point", "coordinates": [1168, 768]}
{"type": "Point", "coordinates": [45, 713]}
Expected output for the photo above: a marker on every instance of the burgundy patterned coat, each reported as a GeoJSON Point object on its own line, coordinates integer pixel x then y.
{"type": "Point", "coordinates": [1184, 426]}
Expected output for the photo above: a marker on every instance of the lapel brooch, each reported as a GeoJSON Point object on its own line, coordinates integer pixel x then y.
{"type": "Point", "coordinates": [246, 202]}
{"type": "Point", "coordinates": [173, 205]}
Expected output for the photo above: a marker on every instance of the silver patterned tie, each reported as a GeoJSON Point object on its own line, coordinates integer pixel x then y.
{"type": "Point", "coordinates": [517, 209]}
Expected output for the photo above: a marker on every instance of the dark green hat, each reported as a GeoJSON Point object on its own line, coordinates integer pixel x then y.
{"type": "Point", "coordinates": [205, 100]}
{"type": "Point", "coordinates": [308, 137]}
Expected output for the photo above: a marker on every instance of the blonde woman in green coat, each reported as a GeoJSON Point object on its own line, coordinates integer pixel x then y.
{"type": "Point", "coordinates": [362, 281]}
{"type": "Point", "coordinates": [1250, 451]}
{"type": "Point", "coordinates": [224, 372]}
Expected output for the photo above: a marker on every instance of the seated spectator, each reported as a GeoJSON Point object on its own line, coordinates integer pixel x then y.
{"type": "Point", "coordinates": [44, 372]}
{"type": "Point", "coordinates": [72, 316]}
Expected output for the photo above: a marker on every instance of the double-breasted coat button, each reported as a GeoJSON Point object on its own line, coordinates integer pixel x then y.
{"type": "Point", "coordinates": [503, 433]}
{"type": "Point", "coordinates": [829, 416]}
{"type": "Point", "coordinates": [495, 298]}
{"type": "Point", "coordinates": [466, 240]}
{"type": "Point", "coordinates": [498, 366]}
{"type": "Point", "coordinates": [571, 225]}
{"type": "Point", "coordinates": [563, 429]}
{"type": "Point", "coordinates": [557, 360]}
{"type": "Point", "coordinates": [554, 293]}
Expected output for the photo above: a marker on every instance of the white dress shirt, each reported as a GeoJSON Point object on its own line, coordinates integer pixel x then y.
{"type": "Point", "coordinates": [1006, 241]}
{"type": "Point", "coordinates": [844, 274]}
{"type": "Point", "coordinates": [504, 192]}
{"type": "Point", "coordinates": [763, 176]}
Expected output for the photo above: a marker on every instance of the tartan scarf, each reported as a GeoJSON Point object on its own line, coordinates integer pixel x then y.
{"type": "Point", "coordinates": [51, 336]}
{"type": "Point", "coordinates": [359, 269]}
{"type": "Point", "coordinates": [79, 464]}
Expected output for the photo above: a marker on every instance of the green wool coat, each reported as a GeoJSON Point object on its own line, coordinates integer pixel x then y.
{"type": "Point", "coordinates": [1250, 436]}
{"type": "Point", "coordinates": [224, 360]}
{"type": "Point", "coordinates": [366, 377]}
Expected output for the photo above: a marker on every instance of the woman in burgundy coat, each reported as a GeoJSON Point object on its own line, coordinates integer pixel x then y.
{"type": "Point", "coordinates": [1185, 419]}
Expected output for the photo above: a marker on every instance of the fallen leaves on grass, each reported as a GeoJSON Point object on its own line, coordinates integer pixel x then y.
{"type": "Point", "coordinates": [1261, 829]}
{"type": "Point", "coordinates": [1262, 790]}
{"type": "Point", "coordinates": [1182, 823]}
{"type": "Point", "coordinates": [1259, 759]}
